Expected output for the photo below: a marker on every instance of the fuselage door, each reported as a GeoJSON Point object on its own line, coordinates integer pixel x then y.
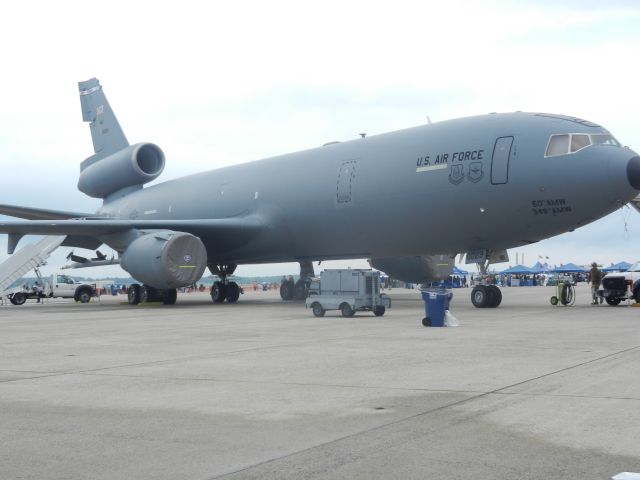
{"type": "Point", "coordinates": [500, 160]}
{"type": "Point", "coordinates": [345, 180]}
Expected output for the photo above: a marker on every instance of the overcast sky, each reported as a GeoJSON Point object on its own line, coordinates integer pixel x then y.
{"type": "Point", "coordinates": [220, 83]}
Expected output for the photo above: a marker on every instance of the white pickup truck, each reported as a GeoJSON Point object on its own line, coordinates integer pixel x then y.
{"type": "Point", "coordinates": [55, 286]}
{"type": "Point", "coordinates": [620, 286]}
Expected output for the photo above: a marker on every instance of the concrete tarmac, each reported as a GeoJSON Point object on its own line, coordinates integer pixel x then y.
{"type": "Point", "coordinates": [263, 389]}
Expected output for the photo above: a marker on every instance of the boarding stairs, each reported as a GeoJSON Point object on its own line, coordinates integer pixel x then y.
{"type": "Point", "coordinates": [27, 258]}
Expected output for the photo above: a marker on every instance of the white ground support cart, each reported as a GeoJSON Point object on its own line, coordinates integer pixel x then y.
{"type": "Point", "coordinates": [350, 291]}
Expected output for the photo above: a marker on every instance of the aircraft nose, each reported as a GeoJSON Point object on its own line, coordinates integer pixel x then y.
{"type": "Point", "coordinates": [633, 172]}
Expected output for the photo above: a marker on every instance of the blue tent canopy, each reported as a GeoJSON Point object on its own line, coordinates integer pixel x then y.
{"type": "Point", "coordinates": [518, 270]}
{"type": "Point", "coordinates": [539, 267]}
{"type": "Point", "coordinates": [618, 267]}
{"type": "Point", "coordinates": [458, 271]}
{"type": "Point", "coordinates": [570, 268]}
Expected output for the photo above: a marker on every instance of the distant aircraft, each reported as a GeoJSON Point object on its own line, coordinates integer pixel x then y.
{"type": "Point", "coordinates": [410, 201]}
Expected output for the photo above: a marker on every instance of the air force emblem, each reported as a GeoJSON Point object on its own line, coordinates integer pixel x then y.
{"type": "Point", "coordinates": [475, 172]}
{"type": "Point", "coordinates": [456, 175]}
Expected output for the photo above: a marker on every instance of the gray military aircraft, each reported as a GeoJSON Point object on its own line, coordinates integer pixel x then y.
{"type": "Point", "coordinates": [410, 201]}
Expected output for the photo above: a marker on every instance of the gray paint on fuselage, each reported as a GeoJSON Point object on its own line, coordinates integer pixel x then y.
{"type": "Point", "coordinates": [395, 211]}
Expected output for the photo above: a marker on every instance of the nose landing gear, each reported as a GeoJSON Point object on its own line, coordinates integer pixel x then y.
{"type": "Point", "coordinates": [485, 295]}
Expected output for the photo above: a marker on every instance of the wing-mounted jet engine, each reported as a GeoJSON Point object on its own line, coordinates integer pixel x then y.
{"type": "Point", "coordinates": [416, 269]}
{"type": "Point", "coordinates": [163, 261]}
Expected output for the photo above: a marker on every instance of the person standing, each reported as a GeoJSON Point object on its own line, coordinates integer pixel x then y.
{"type": "Point", "coordinates": [596, 279]}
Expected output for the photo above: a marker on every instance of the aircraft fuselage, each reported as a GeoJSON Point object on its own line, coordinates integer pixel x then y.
{"type": "Point", "coordinates": [474, 183]}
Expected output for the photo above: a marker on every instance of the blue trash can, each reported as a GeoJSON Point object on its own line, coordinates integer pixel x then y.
{"type": "Point", "coordinates": [436, 301]}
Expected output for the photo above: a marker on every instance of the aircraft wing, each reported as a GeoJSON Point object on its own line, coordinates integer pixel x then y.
{"type": "Point", "coordinates": [39, 213]}
{"type": "Point", "coordinates": [239, 228]}
{"type": "Point", "coordinates": [98, 226]}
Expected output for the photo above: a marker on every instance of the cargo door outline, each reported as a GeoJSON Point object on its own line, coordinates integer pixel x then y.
{"type": "Point", "coordinates": [346, 175]}
{"type": "Point", "coordinates": [500, 160]}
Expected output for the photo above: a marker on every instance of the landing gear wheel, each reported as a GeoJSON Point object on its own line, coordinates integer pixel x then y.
{"type": "Point", "coordinates": [300, 290]}
{"type": "Point", "coordinates": [18, 298]}
{"type": "Point", "coordinates": [554, 300]}
{"type": "Point", "coordinates": [612, 301]}
{"type": "Point", "coordinates": [496, 295]}
{"type": "Point", "coordinates": [379, 310]}
{"type": "Point", "coordinates": [426, 322]}
{"type": "Point", "coordinates": [218, 292]}
{"type": "Point", "coordinates": [346, 310]}
{"type": "Point", "coordinates": [170, 296]}
{"type": "Point", "coordinates": [317, 310]}
{"type": "Point", "coordinates": [286, 290]}
{"type": "Point", "coordinates": [232, 292]}
{"type": "Point", "coordinates": [480, 296]}
{"type": "Point", "coordinates": [134, 294]}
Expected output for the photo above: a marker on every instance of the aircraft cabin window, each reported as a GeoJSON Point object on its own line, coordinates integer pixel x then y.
{"type": "Point", "coordinates": [558, 145]}
{"type": "Point", "coordinates": [579, 141]}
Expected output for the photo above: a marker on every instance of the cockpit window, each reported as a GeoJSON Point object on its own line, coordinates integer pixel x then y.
{"type": "Point", "coordinates": [604, 139]}
{"type": "Point", "coordinates": [558, 145]}
{"type": "Point", "coordinates": [578, 142]}
{"type": "Point", "coordinates": [565, 143]}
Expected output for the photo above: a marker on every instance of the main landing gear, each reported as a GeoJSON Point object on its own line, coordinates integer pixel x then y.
{"type": "Point", "coordinates": [290, 290]}
{"type": "Point", "coordinates": [485, 296]}
{"type": "Point", "coordinates": [144, 293]}
{"type": "Point", "coordinates": [224, 290]}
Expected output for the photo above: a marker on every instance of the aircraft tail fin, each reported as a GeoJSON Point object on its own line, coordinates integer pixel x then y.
{"type": "Point", "coordinates": [106, 133]}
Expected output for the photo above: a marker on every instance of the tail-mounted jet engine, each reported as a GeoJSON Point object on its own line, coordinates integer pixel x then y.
{"type": "Point", "coordinates": [417, 269]}
{"type": "Point", "coordinates": [165, 259]}
{"type": "Point", "coordinates": [132, 166]}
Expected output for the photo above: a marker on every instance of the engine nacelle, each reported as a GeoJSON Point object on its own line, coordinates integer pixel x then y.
{"type": "Point", "coordinates": [165, 259]}
{"type": "Point", "coordinates": [134, 165]}
{"type": "Point", "coordinates": [419, 269]}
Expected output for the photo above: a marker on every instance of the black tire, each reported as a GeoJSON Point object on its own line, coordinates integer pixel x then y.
{"type": "Point", "coordinates": [317, 309]}
{"type": "Point", "coordinates": [218, 292]}
{"type": "Point", "coordinates": [286, 290]}
{"type": "Point", "coordinates": [496, 293]}
{"type": "Point", "coordinates": [379, 310]}
{"type": "Point", "coordinates": [426, 322]}
{"type": "Point", "coordinates": [170, 296]}
{"type": "Point", "coordinates": [636, 292]}
{"type": "Point", "coordinates": [18, 298]}
{"type": "Point", "coordinates": [134, 294]}
{"type": "Point", "coordinates": [300, 290]}
{"type": "Point", "coordinates": [554, 300]}
{"type": "Point", "coordinates": [83, 295]}
{"type": "Point", "coordinates": [479, 296]}
{"type": "Point", "coordinates": [232, 292]}
{"type": "Point", "coordinates": [346, 310]}
{"type": "Point", "coordinates": [613, 301]}
{"type": "Point", "coordinates": [566, 295]}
